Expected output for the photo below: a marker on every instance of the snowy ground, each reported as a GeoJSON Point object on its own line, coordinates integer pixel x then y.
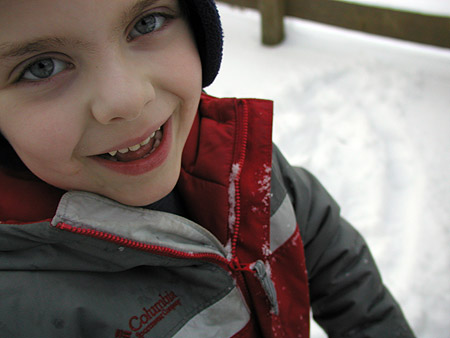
{"type": "Point", "coordinates": [370, 117]}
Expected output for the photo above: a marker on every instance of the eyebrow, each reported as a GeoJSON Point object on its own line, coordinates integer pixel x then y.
{"type": "Point", "coordinates": [20, 49]}
{"type": "Point", "coordinates": [14, 49]}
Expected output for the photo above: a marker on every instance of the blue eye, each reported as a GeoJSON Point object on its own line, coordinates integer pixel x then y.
{"type": "Point", "coordinates": [43, 69]}
{"type": "Point", "coordinates": [147, 24]}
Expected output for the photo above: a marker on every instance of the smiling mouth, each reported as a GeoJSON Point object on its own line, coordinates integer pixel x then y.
{"type": "Point", "coordinates": [137, 151]}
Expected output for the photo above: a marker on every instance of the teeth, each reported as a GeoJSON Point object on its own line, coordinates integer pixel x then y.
{"type": "Point", "coordinates": [138, 146]}
{"type": "Point", "coordinates": [134, 148]}
{"type": "Point", "coordinates": [147, 140]}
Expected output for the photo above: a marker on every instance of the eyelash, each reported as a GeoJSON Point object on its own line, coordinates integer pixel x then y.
{"type": "Point", "coordinates": [157, 15]}
{"type": "Point", "coordinates": [56, 64]}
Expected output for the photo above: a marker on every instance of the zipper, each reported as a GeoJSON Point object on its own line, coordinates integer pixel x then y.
{"type": "Point", "coordinates": [234, 262]}
{"type": "Point", "coordinates": [243, 129]}
{"type": "Point", "coordinates": [151, 248]}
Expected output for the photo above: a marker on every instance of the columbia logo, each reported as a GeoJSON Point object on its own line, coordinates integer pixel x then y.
{"type": "Point", "coordinates": [142, 323]}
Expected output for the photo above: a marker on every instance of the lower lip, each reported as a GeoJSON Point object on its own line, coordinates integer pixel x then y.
{"type": "Point", "coordinates": [145, 164]}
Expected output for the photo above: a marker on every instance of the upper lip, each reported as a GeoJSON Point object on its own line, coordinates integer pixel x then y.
{"type": "Point", "coordinates": [134, 141]}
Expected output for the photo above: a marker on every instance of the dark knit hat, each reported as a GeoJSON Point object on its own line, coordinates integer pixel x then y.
{"type": "Point", "coordinates": [205, 22]}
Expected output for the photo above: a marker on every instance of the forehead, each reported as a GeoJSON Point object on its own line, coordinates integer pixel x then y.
{"type": "Point", "coordinates": [66, 22]}
{"type": "Point", "coordinates": [28, 15]}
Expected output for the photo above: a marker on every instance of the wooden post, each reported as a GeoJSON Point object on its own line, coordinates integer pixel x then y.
{"type": "Point", "coordinates": [272, 12]}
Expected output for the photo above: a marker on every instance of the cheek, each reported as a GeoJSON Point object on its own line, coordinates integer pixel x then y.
{"type": "Point", "coordinates": [185, 78]}
{"type": "Point", "coordinates": [40, 134]}
{"type": "Point", "coordinates": [187, 85]}
{"type": "Point", "coordinates": [183, 68]}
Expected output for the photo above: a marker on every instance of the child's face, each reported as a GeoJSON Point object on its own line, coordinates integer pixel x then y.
{"type": "Point", "coordinates": [82, 78]}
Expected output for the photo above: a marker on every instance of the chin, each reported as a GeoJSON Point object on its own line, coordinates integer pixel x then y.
{"type": "Point", "coordinates": [145, 195]}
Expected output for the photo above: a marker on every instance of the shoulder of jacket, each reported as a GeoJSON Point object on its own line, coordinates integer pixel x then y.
{"type": "Point", "coordinates": [225, 108]}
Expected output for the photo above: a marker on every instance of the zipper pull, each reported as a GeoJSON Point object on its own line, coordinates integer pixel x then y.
{"type": "Point", "coordinates": [261, 274]}
{"type": "Point", "coordinates": [258, 269]}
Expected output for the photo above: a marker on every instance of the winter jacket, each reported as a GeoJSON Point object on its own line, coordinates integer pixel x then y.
{"type": "Point", "coordinates": [261, 241]}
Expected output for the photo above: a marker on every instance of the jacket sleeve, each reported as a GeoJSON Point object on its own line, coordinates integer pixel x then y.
{"type": "Point", "coordinates": [347, 295]}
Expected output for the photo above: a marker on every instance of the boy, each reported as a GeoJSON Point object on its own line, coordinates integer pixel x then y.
{"type": "Point", "coordinates": [136, 206]}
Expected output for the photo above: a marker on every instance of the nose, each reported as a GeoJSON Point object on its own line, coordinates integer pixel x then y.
{"type": "Point", "coordinates": [119, 92]}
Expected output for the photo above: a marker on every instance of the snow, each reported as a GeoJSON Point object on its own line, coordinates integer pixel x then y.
{"type": "Point", "coordinates": [369, 116]}
{"type": "Point", "coordinates": [235, 171]}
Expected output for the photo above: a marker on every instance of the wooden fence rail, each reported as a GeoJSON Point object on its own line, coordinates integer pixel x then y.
{"type": "Point", "coordinates": [416, 27]}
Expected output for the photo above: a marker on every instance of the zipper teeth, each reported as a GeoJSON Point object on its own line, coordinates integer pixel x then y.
{"type": "Point", "coordinates": [160, 250]}
{"type": "Point", "coordinates": [237, 179]}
